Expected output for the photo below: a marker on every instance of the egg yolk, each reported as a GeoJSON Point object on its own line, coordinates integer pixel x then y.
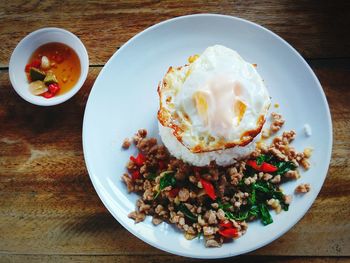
{"type": "Point", "coordinates": [201, 105]}
{"type": "Point", "coordinates": [239, 109]}
{"type": "Point", "coordinates": [219, 105]}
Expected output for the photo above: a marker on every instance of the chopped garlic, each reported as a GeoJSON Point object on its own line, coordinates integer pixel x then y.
{"type": "Point", "coordinates": [45, 63]}
{"type": "Point", "coordinates": [37, 87]}
{"type": "Point", "coordinates": [307, 152]}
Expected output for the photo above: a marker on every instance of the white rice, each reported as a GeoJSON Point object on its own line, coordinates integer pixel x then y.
{"type": "Point", "coordinates": [307, 130]}
{"type": "Point", "coordinates": [221, 157]}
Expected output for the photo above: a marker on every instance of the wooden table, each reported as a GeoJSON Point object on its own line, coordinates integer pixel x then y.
{"type": "Point", "coordinates": [49, 210]}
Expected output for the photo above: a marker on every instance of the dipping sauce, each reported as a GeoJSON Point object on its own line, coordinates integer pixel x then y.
{"type": "Point", "coordinates": [60, 63]}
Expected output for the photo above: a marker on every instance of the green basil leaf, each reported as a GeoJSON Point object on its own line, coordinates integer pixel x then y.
{"type": "Point", "coordinates": [254, 211]}
{"type": "Point", "coordinates": [226, 206]}
{"type": "Point", "coordinates": [260, 159]}
{"type": "Point", "coordinates": [183, 208]}
{"type": "Point", "coordinates": [156, 195]}
{"type": "Point", "coordinates": [278, 195]}
{"type": "Point", "coordinates": [223, 206]}
{"type": "Point", "coordinates": [264, 158]}
{"type": "Point", "coordinates": [239, 216]}
{"type": "Point", "coordinates": [284, 206]}
{"type": "Point", "coordinates": [151, 176]}
{"type": "Point", "coordinates": [284, 167]}
{"type": "Point", "coordinates": [228, 215]}
{"type": "Point", "coordinates": [166, 180]}
{"type": "Point", "coordinates": [252, 198]}
{"type": "Point", "coordinates": [249, 171]}
{"type": "Point", "coordinates": [266, 218]}
{"type": "Point", "coordinates": [262, 187]}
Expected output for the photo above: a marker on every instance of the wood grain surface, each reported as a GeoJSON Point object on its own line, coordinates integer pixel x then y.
{"type": "Point", "coordinates": [49, 211]}
{"type": "Point", "coordinates": [162, 258]}
{"type": "Point", "coordinates": [317, 29]}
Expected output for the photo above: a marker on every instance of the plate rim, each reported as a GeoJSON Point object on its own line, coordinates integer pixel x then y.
{"type": "Point", "coordinates": [183, 253]}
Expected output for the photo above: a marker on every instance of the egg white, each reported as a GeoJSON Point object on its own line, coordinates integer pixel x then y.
{"type": "Point", "coordinates": [198, 100]}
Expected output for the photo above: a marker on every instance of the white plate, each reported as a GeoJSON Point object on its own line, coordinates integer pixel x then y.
{"type": "Point", "coordinates": [124, 99]}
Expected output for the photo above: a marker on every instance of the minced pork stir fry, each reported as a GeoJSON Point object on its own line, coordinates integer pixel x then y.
{"type": "Point", "coordinates": [214, 202]}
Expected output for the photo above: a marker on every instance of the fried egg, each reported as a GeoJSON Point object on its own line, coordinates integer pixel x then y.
{"type": "Point", "coordinates": [216, 102]}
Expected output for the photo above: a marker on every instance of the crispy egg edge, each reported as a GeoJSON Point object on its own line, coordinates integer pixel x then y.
{"type": "Point", "coordinates": [165, 119]}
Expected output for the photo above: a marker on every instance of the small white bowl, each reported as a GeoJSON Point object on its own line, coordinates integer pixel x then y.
{"type": "Point", "coordinates": [26, 48]}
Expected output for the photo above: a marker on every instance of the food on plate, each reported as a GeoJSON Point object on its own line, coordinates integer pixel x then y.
{"type": "Point", "coordinates": [213, 201]}
{"type": "Point", "coordinates": [215, 171]}
{"type": "Point", "coordinates": [126, 143]}
{"type": "Point", "coordinates": [212, 109]}
{"type": "Point", "coordinates": [53, 69]}
{"type": "Point", "coordinates": [303, 188]}
{"type": "Point", "coordinates": [275, 126]}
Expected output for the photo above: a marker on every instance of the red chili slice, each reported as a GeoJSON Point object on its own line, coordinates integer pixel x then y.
{"type": "Point", "coordinates": [35, 63]}
{"type": "Point", "coordinates": [209, 188]}
{"type": "Point", "coordinates": [253, 164]}
{"type": "Point", "coordinates": [227, 224]}
{"type": "Point", "coordinates": [27, 68]}
{"type": "Point", "coordinates": [264, 167]}
{"type": "Point", "coordinates": [47, 95]}
{"type": "Point", "coordinates": [268, 168]}
{"type": "Point", "coordinates": [173, 192]}
{"type": "Point", "coordinates": [54, 88]}
{"type": "Point", "coordinates": [135, 175]}
{"type": "Point", "coordinates": [229, 232]}
{"type": "Point", "coordinates": [139, 160]}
